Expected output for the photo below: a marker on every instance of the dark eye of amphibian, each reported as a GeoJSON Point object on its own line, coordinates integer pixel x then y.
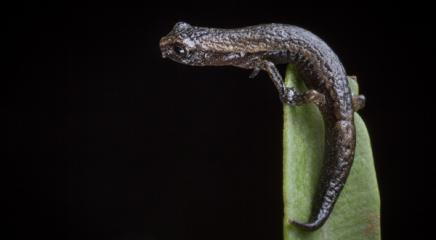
{"type": "Point", "coordinates": [179, 50]}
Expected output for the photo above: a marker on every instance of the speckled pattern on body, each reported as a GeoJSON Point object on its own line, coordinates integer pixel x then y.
{"type": "Point", "coordinates": [260, 47]}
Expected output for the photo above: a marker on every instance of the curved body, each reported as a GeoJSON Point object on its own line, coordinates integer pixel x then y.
{"type": "Point", "coordinates": [260, 47]}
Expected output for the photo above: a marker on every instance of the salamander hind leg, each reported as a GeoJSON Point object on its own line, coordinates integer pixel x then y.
{"type": "Point", "coordinates": [358, 102]}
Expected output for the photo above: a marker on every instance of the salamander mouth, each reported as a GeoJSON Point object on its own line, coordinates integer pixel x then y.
{"type": "Point", "coordinates": [164, 55]}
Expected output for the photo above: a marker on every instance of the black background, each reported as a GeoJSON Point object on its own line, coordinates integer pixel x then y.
{"type": "Point", "coordinates": [106, 140]}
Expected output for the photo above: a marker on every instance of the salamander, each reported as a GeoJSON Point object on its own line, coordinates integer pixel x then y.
{"type": "Point", "coordinates": [260, 48]}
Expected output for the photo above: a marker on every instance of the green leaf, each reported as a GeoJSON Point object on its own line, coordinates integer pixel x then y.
{"type": "Point", "coordinates": [356, 214]}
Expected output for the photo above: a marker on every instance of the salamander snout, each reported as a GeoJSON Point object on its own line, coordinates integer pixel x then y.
{"type": "Point", "coordinates": [163, 46]}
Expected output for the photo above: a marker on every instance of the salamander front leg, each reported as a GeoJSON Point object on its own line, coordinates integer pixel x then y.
{"type": "Point", "coordinates": [290, 95]}
{"type": "Point", "coordinates": [254, 73]}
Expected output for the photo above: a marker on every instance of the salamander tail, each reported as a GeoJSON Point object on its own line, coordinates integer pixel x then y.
{"type": "Point", "coordinates": [310, 226]}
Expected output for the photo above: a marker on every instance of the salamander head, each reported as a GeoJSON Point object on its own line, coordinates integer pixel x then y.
{"type": "Point", "coordinates": [197, 46]}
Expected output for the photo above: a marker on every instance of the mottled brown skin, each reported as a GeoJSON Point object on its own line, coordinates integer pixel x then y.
{"type": "Point", "coordinates": [260, 48]}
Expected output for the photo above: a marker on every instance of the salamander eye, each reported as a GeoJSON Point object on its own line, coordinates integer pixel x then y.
{"type": "Point", "coordinates": [180, 50]}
